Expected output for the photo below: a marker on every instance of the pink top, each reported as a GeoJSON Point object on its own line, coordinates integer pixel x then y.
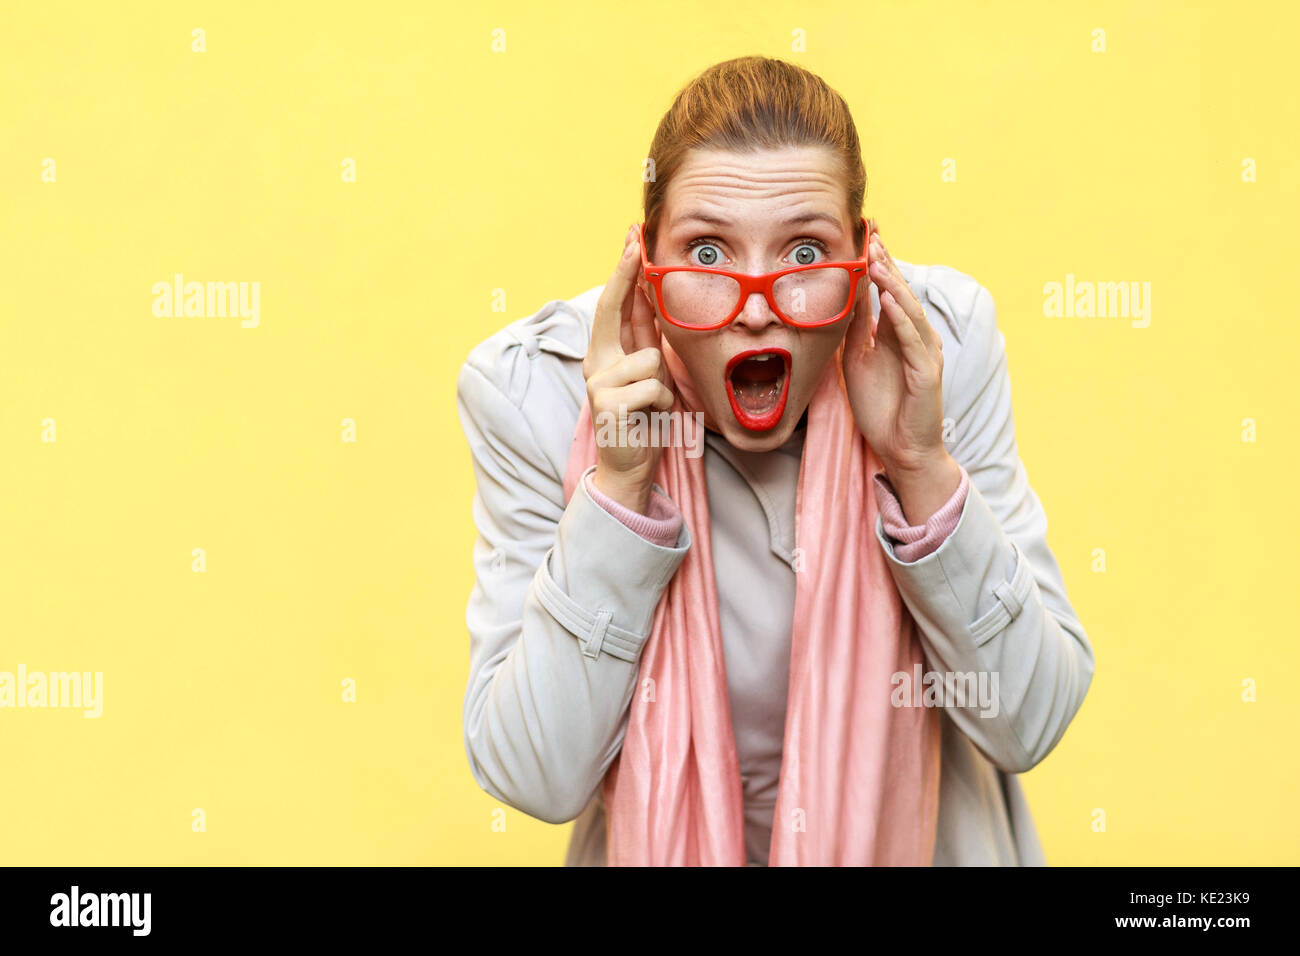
{"type": "Point", "coordinates": [911, 542]}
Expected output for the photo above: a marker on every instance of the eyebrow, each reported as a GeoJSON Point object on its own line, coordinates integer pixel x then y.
{"type": "Point", "coordinates": [799, 220]}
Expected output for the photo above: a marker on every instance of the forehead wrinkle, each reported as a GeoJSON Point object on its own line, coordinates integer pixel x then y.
{"type": "Point", "coordinates": [702, 185]}
{"type": "Point", "coordinates": [750, 193]}
{"type": "Point", "coordinates": [712, 195]}
{"type": "Point", "coordinates": [769, 185]}
{"type": "Point", "coordinates": [713, 203]}
{"type": "Point", "coordinates": [802, 215]}
{"type": "Point", "coordinates": [761, 164]}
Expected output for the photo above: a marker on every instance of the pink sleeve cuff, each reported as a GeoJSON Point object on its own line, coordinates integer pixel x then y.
{"type": "Point", "coordinates": [913, 542]}
{"type": "Point", "coordinates": [661, 526]}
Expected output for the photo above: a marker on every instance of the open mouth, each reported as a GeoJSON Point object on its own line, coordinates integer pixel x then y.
{"type": "Point", "coordinates": [758, 383]}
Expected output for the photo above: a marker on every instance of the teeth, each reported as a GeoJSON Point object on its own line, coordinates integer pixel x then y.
{"type": "Point", "coordinates": [762, 358]}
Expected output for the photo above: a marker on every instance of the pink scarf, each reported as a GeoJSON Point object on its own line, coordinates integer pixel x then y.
{"type": "Point", "coordinates": [859, 782]}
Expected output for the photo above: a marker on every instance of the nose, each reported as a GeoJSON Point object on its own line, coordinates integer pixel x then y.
{"type": "Point", "coordinates": [757, 315]}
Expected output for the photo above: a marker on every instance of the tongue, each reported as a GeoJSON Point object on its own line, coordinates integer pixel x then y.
{"type": "Point", "coordinates": [757, 384]}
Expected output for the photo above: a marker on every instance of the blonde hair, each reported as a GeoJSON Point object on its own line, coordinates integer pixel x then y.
{"type": "Point", "coordinates": [752, 103]}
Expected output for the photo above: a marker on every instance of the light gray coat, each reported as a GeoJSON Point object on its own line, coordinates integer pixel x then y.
{"type": "Point", "coordinates": [549, 688]}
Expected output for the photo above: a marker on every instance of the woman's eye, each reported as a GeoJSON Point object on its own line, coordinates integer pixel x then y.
{"type": "Point", "coordinates": [703, 252]}
{"type": "Point", "coordinates": [805, 254]}
{"type": "Point", "coordinates": [709, 255]}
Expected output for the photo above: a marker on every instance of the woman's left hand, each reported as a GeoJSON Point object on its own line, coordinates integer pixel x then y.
{"type": "Point", "coordinates": [893, 370]}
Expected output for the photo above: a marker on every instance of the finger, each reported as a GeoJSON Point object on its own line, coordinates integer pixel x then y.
{"type": "Point", "coordinates": [907, 298]}
{"type": "Point", "coordinates": [626, 337]}
{"type": "Point", "coordinates": [894, 283]}
{"type": "Point", "coordinates": [640, 365]}
{"type": "Point", "coordinates": [639, 330]}
{"type": "Point", "coordinates": [607, 324]}
{"type": "Point", "coordinates": [911, 345]}
{"type": "Point", "coordinates": [645, 330]}
{"type": "Point", "coordinates": [883, 265]}
{"type": "Point", "coordinates": [645, 334]}
{"type": "Point", "coordinates": [646, 393]}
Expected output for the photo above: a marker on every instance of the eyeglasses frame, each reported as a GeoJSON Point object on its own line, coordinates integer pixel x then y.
{"type": "Point", "coordinates": [749, 284]}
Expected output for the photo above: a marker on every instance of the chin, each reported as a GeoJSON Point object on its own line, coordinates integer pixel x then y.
{"type": "Point", "coordinates": [768, 439]}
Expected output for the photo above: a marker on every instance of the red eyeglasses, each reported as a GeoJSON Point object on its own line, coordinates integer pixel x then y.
{"type": "Point", "coordinates": [806, 297]}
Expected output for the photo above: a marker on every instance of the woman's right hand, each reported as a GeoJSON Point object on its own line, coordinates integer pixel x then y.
{"type": "Point", "coordinates": [626, 373]}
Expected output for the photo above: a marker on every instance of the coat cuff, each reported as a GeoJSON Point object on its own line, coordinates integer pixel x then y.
{"type": "Point", "coordinates": [603, 578]}
{"type": "Point", "coordinates": [661, 526]}
{"type": "Point", "coordinates": [913, 542]}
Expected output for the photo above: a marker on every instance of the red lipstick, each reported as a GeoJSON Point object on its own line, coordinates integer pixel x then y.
{"type": "Point", "coordinates": [758, 388]}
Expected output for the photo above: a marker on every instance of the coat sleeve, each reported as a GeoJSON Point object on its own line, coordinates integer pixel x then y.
{"type": "Point", "coordinates": [990, 601]}
{"type": "Point", "coordinates": [562, 603]}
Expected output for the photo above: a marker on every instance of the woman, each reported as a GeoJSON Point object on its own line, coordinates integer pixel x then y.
{"type": "Point", "coordinates": [836, 635]}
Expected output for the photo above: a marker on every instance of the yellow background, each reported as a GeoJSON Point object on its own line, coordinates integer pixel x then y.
{"type": "Point", "coordinates": [520, 171]}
